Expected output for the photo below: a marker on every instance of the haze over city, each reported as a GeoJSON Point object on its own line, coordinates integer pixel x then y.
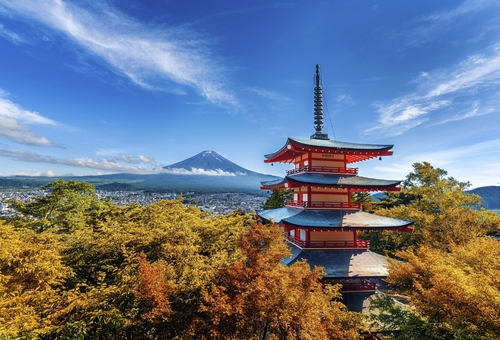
{"type": "Point", "coordinates": [130, 86]}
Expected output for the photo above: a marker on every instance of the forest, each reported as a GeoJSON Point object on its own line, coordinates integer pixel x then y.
{"type": "Point", "coordinates": [74, 266]}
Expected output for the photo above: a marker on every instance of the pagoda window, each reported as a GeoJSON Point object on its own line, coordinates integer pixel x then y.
{"type": "Point", "coordinates": [306, 163]}
{"type": "Point", "coordinates": [295, 197]}
{"type": "Point", "coordinates": [302, 235]}
{"type": "Point", "coordinates": [292, 232]}
{"type": "Point", "coordinates": [304, 197]}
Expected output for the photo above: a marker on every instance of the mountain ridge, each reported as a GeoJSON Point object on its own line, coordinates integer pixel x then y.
{"type": "Point", "coordinates": [204, 172]}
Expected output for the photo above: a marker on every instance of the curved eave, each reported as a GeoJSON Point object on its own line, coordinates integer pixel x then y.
{"type": "Point", "coordinates": [354, 183]}
{"type": "Point", "coordinates": [333, 219]}
{"type": "Point", "coordinates": [354, 152]}
{"type": "Point", "coordinates": [402, 228]}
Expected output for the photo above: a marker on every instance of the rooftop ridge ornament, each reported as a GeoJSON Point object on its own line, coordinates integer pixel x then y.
{"type": "Point", "coordinates": [318, 107]}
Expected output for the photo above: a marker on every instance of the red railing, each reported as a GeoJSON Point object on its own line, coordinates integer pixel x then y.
{"type": "Point", "coordinates": [321, 204]}
{"type": "Point", "coordinates": [328, 169]}
{"type": "Point", "coordinates": [295, 203]}
{"type": "Point", "coordinates": [359, 244]}
{"type": "Point", "coordinates": [363, 285]}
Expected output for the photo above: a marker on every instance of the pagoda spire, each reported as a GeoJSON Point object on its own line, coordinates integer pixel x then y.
{"type": "Point", "coordinates": [318, 107]}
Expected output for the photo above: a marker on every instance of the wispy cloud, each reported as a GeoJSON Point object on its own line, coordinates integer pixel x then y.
{"type": "Point", "coordinates": [440, 89]}
{"type": "Point", "coordinates": [452, 160]}
{"type": "Point", "coordinates": [483, 15]}
{"type": "Point", "coordinates": [273, 99]}
{"type": "Point", "coordinates": [14, 37]}
{"type": "Point", "coordinates": [135, 159]}
{"type": "Point", "coordinates": [475, 110]}
{"type": "Point", "coordinates": [160, 58]}
{"type": "Point", "coordinates": [15, 124]}
{"type": "Point", "coordinates": [113, 165]}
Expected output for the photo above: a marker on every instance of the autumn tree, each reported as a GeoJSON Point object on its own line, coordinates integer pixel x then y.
{"type": "Point", "coordinates": [32, 274]}
{"type": "Point", "coordinates": [442, 211]}
{"type": "Point", "coordinates": [73, 266]}
{"type": "Point", "coordinates": [258, 298]}
{"type": "Point", "coordinates": [455, 292]}
{"type": "Point", "coordinates": [93, 252]}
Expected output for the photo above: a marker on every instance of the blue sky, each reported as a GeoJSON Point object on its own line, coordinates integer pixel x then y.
{"type": "Point", "coordinates": [95, 87]}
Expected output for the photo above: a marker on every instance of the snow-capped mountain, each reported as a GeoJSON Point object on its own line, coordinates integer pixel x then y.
{"type": "Point", "coordinates": [207, 163]}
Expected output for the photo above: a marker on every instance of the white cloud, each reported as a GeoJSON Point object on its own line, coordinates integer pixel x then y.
{"type": "Point", "coordinates": [197, 171]}
{"type": "Point", "coordinates": [12, 110]}
{"type": "Point", "coordinates": [14, 131]}
{"type": "Point", "coordinates": [14, 124]}
{"type": "Point", "coordinates": [108, 165]}
{"type": "Point", "coordinates": [440, 89]}
{"type": "Point", "coordinates": [153, 58]}
{"type": "Point", "coordinates": [45, 173]}
{"type": "Point", "coordinates": [135, 159]}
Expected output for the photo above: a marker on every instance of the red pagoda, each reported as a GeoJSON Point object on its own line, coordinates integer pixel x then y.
{"type": "Point", "coordinates": [321, 221]}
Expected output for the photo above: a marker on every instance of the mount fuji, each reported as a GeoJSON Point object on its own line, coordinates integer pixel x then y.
{"type": "Point", "coordinates": [208, 163]}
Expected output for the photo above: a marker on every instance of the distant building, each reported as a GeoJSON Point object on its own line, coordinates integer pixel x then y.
{"type": "Point", "coordinates": [321, 222]}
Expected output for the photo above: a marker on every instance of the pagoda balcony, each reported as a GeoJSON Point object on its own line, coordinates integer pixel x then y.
{"type": "Point", "coordinates": [324, 169]}
{"type": "Point", "coordinates": [358, 244]}
{"type": "Point", "coordinates": [354, 285]}
{"type": "Point", "coordinates": [323, 205]}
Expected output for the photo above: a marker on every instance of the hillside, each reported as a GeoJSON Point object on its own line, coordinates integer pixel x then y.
{"type": "Point", "coordinates": [490, 196]}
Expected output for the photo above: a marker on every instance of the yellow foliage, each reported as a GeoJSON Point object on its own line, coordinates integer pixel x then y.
{"type": "Point", "coordinates": [31, 275]}
{"type": "Point", "coordinates": [75, 267]}
{"type": "Point", "coordinates": [459, 287]}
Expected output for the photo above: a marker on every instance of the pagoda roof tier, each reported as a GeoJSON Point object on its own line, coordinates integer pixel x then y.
{"type": "Point", "coordinates": [357, 183]}
{"type": "Point", "coordinates": [333, 219]}
{"type": "Point", "coordinates": [342, 263]}
{"type": "Point", "coordinates": [354, 152]}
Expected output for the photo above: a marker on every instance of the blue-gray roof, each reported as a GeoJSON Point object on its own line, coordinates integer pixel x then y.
{"type": "Point", "coordinates": [338, 219]}
{"type": "Point", "coordinates": [333, 180]}
{"type": "Point", "coordinates": [342, 263]}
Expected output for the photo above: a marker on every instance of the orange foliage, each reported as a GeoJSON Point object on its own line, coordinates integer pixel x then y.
{"type": "Point", "coordinates": [154, 288]}
{"type": "Point", "coordinates": [258, 298]}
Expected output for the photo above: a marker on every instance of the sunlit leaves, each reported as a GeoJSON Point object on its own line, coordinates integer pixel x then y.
{"type": "Point", "coordinates": [443, 213]}
{"type": "Point", "coordinates": [258, 298]}
{"type": "Point", "coordinates": [459, 287]}
{"type": "Point", "coordinates": [73, 266]}
{"type": "Point", "coordinates": [31, 275]}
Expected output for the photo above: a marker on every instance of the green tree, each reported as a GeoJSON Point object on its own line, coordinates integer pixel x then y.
{"type": "Point", "coordinates": [277, 199]}
{"type": "Point", "coordinates": [442, 211]}
{"type": "Point", "coordinates": [68, 205]}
